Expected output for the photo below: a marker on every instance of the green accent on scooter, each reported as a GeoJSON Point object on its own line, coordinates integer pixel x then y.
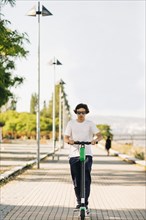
{"type": "Point", "coordinates": [82, 154]}
{"type": "Point", "coordinates": [82, 208]}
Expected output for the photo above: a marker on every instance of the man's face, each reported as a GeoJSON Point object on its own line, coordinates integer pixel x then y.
{"type": "Point", "coordinates": [81, 112]}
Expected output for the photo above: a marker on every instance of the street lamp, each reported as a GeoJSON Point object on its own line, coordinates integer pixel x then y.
{"type": "Point", "coordinates": [61, 83]}
{"type": "Point", "coordinates": [66, 111]}
{"type": "Point", "coordinates": [33, 12]}
{"type": "Point", "coordinates": [63, 113]}
{"type": "Point", "coordinates": [54, 62]}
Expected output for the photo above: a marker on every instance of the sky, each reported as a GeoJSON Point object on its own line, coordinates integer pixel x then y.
{"type": "Point", "coordinates": [101, 45]}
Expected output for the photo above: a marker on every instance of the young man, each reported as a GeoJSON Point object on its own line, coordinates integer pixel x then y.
{"type": "Point", "coordinates": [81, 130]}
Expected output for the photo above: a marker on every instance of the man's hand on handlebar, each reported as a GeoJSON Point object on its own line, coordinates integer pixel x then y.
{"type": "Point", "coordinates": [93, 142]}
{"type": "Point", "coordinates": [71, 142]}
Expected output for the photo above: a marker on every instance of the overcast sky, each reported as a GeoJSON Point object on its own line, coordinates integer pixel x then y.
{"type": "Point", "coordinates": [101, 45]}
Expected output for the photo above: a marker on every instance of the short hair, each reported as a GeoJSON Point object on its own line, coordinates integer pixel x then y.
{"type": "Point", "coordinates": [81, 105]}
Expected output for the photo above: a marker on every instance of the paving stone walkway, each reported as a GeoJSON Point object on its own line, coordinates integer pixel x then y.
{"type": "Point", "coordinates": [118, 191]}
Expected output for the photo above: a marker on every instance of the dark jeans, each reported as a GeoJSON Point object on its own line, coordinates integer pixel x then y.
{"type": "Point", "coordinates": [75, 167]}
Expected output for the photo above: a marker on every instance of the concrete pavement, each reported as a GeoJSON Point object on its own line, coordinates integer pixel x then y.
{"type": "Point", "coordinates": [20, 155]}
{"type": "Point", "coordinates": [118, 191]}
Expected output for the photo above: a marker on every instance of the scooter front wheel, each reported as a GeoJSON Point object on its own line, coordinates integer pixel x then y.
{"type": "Point", "coordinates": [82, 214]}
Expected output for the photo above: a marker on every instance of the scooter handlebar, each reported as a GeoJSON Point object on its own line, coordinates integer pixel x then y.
{"type": "Point", "coordinates": [84, 142]}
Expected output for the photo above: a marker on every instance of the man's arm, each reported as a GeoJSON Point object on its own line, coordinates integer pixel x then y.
{"type": "Point", "coordinates": [67, 140]}
{"type": "Point", "coordinates": [97, 139]}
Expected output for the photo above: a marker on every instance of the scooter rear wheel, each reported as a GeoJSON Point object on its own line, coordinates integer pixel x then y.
{"type": "Point", "coordinates": [83, 214]}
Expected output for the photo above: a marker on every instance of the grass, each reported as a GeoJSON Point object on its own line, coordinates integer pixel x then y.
{"type": "Point", "coordinates": [129, 149]}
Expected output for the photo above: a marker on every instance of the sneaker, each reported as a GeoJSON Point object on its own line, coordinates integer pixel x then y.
{"type": "Point", "coordinates": [87, 210]}
{"type": "Point", "coordinates": [78, 206]}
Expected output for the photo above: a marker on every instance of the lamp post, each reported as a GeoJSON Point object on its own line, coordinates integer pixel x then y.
{"type": "Point", "coordinates": [64, 113]}
{"type": "Point", "coordinates": [54, 62]}
{"type": "Point", "coordinates": [33, 12]}
{"type": "Point", "coordinates": [60, 110]}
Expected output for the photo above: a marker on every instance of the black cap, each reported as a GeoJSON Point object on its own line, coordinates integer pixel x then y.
{"type": "Point", "coordinates": [81, 105]}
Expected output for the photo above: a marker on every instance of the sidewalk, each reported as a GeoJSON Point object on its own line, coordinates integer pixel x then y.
{"type": "Point", "coordinates": [16, 157]}
{"type": "Point", "coordinates": [118, 191]}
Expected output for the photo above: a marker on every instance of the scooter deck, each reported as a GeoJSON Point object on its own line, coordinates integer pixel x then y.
{"type": "Point", "coordinates": [78, 212]}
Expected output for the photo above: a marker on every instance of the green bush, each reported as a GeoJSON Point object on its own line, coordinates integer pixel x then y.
{"type": "Point", "coordinates": [139, 155]}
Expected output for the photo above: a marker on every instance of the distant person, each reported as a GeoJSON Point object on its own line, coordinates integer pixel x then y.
{"type": "Point", "coordinates": [108, 145]}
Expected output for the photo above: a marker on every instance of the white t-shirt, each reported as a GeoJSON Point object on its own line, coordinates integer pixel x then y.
{"type": "Point", "coordinates": [80, 131]}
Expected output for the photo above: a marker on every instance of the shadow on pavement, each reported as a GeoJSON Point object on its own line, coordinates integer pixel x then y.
{"type": "Point", "coordinates": [46, 212]}
{"type": "Point", "coordinates": [106, 176]}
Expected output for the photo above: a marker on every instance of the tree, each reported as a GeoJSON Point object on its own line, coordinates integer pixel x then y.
{"type": "Point", "coordinates": [105, 130]}
{"type": "Point", "coordinates": [45, 111]}
{"type": "Point", "coordinates": [9, 119]}
{"type": "Point", "coordinates": [26, 125]}
{"type": "Point", "coordinates": [16, 125]}
{"type": "Point", "coordinates": [33, 103]}
{"type": "Point", "coordinates": [11, 48]}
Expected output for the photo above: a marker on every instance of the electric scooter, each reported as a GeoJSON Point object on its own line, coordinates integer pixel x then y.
{"type": "Point", "coordinates": [82, 144]}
